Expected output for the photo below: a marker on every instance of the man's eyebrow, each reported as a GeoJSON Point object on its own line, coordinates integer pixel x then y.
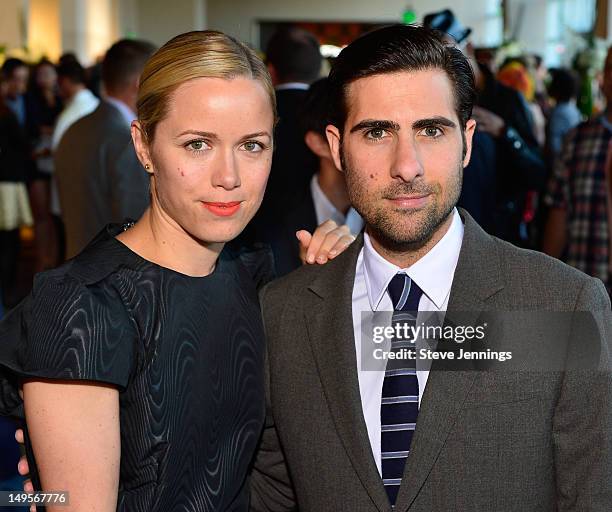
{"type": "Point", "coordinates": [375, 123]}
{"type": "Point", "coordinates": [433, 121]}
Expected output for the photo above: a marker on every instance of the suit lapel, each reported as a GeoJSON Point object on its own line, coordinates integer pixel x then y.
{"type": "Point", "coordinates": [330, 330]}
{"type": "Point", "coordinates": [476, 279]}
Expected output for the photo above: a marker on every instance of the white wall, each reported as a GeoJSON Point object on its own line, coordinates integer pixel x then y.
{"type": "Point", "coordinates": [240, 17]}
{"type": "Point", "coordinates": [11, 33]}
{"type": "Point", "coordinates": [160, 20]}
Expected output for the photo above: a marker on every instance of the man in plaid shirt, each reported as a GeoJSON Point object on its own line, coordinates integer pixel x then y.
{"type": "Point", "coordinates": [579, 227]}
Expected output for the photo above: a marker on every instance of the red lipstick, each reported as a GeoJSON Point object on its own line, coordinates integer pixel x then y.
{"type": "Point", "coordinates": [222, 209]}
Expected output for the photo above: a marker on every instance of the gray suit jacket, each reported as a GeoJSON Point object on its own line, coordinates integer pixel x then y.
{"type": "Point", "coordinates": [99, 177]}
{"type": "Point", "coordinates": [484, 441]}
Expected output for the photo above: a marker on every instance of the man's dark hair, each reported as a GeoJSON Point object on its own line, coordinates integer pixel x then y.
{"type": "Point", "coordinates": [401, 48]}
{"type": "Point", "coordinates": [295, 55]}
{"type": "Point", "coordinates": [563, 85]}
{"type": "Point", "coordinates": [72, 70]}
{"type": "Point", "coordinates": [314, 112]}
{"type": "Point", "coordinates": [123, 60]}
{"type": "Point", "coordinates": [10, 65]}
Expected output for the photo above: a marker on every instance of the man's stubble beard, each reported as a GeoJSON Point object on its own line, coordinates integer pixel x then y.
{"type": "Point", "coordinates": [382, 224]}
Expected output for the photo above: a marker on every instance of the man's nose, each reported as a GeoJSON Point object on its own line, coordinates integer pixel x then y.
{"type": "Point", "coordinates": [406, 163]}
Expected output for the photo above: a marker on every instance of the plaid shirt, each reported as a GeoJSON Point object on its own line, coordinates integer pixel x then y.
{"type": "Point", "coordinates": [579, 185]}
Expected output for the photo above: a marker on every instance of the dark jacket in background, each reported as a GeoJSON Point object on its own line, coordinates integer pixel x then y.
{"type": "Point", "coordinates": [479, 186]}
{"type": "Point", "coordinates": [15, 163]}
{"type": "Point", "coordinates": [520, 163]}
{"type": "Point", "coordinates": [279, 235]}
{"type": "Point", "coordinates": [293, 164]}
{"type": "Point", "coordinates": [100, 180]}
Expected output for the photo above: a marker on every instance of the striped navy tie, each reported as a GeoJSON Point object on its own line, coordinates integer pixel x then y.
{"type": "Point", "coordinates": [400, 393]}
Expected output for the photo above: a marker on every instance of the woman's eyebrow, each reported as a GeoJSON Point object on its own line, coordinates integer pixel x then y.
{"type": "Point", "coordinates": [208, 135]}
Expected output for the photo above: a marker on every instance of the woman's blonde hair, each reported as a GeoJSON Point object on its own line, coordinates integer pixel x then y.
{"type": "Point", "coordinates": [197, 54]}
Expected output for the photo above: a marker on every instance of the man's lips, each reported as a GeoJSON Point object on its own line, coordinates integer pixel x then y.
{"type": "Point", "coordinates": [413, 201]}
{"type": "Point", "coordinates": [222, 209]}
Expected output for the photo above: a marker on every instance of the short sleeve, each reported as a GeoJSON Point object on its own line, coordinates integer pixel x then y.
{"type": "Point", "coordinates": [66, 330]}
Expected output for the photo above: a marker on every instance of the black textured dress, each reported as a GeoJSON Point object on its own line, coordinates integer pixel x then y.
{"type": "Point", "coordinates": [186, 354]}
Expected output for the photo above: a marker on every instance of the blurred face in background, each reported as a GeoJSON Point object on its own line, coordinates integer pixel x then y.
{"type": "Point", "coordinates": [402, 152]}
{"type": "Point", "coordinates": [46, 76]}
{"type": "Point", "coordinates": [17, 82]}
{"type": "Point", "coordinates": [210, 156]}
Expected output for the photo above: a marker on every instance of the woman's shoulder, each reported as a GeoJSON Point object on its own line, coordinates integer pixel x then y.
{"type": "Point", "coordinates": [73, 325]}
{"type": "Point", "coordinates": [103, 257]}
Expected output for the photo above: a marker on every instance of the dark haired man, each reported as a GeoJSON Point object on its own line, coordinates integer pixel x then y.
{"type": "Point", "coordinates": [99, 178]}
{"type": "Point", "coordinates": [294, 61]}
{"type": "Point", "coordinates": [340, 435]}
{"type": "Point", "coordinates": [78, 99]}
{"type": "Point", "coordinates": [324, 198]}
{"type": "Point", "coordinates": [564, 116]}
{"type": "Point", "coordinates": [15, 75]}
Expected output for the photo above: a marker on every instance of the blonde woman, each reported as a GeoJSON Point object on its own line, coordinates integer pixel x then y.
{"type": "Point", "coordinates": [142, 358]}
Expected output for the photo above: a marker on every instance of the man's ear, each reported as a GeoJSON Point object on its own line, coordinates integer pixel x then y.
{"type": "Point", "coordinates": [317, 144]}
{"type": "Point", "coordinates": [470, 127]}
{"type": "Point", "coordinates": [141, 145]}
{"type": "Point", "coordinates": [334, 139]}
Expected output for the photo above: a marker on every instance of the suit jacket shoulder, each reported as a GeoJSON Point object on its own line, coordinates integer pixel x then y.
{"type": "Point", "coordinates": [538, 281]}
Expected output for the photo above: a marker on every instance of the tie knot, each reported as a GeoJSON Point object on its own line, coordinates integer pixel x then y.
{"type": "Point", "coordinates": [405, 293]}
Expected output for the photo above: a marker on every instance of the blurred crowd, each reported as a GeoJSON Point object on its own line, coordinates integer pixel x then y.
{"type": "Point", "coordinates": [539, 175]}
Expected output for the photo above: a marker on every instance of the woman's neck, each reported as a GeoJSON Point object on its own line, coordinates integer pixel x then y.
{"type": "Point", "coordinates": [159, 239]}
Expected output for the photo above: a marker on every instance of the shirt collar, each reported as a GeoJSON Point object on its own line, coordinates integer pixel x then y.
{"type": "Point", "coordinates": [433, 273]}
{"type": "Point", "coordinates": [82, 96]}
{"type": "Point", "coordinates": [325, 209]}
{"type": "Point", "coordinates": [126, 112]}
{"type": "Point", "coordinates": [293, 85]}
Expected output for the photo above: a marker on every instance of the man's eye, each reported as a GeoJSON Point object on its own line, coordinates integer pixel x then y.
{"type": "Point", "coordinates": [432, 131]}
{"type": "Point", "coordinates": [375, 133]}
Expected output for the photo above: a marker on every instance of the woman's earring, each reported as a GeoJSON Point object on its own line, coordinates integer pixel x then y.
{"type": "Point", "coordinates": [147, 167]}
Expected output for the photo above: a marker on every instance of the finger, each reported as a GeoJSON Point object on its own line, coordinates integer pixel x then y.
{"type": "Point", "coordinates": [341, 245]}
{"type": "Point", "coordinates": [318, 238]}
{"type": "Point", "coordinates": [23, 467]}
{"type": "Point", "coordinates": [28, 486]}
{"type": "Point", "coordinates": [328, 243]}
{"type": "Point", "coordinates": [19, 435]}
{"type": "Point", "coordinates": [304, 237]}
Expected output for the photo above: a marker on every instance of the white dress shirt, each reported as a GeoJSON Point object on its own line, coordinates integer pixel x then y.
{"type": "Point", "coordinates": [83, 103]}
{"type": "Point", "coordinates": [292, 85]}
{"type": "Point", "coordinates": [324, 209]}
{"type": "Point", "coordinates": [126, 112]}
{"type": "Point", "coordinates": [434, 274]}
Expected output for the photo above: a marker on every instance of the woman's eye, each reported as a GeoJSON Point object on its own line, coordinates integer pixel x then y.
{"type": "Point", "coordinates": [375, 133]}
{"type": "Point", "coordinates": [196, 145]}
{"type": "Point", "coordinates": [252, 146]}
